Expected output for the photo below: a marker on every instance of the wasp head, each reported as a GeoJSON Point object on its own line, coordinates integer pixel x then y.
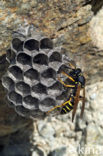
{"type": "Point", "coordinates": [80, 77]}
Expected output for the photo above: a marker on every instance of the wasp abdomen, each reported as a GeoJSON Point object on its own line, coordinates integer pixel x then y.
{"type": "Point", "coordinates": [67, 107]}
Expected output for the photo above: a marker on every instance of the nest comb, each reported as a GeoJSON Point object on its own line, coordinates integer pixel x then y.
{"type": "Point", "coordinates": [31, 80]}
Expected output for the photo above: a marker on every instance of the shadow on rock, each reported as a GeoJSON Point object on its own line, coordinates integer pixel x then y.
{"type": "Point", "coordinates": [18, 143]}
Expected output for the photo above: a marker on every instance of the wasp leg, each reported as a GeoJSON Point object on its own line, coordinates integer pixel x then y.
{"type": "Point", "coordinates": [65, 84]}
{"type": "Point", "coordinates": [54, 108]}
{"type": "Point", "coordinates": [63, 104]}
{"type": "Point", "coordinates": [68, 76]}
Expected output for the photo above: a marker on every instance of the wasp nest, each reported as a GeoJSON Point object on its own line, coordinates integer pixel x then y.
{"type": "Point", "coordinates": [31, 80]}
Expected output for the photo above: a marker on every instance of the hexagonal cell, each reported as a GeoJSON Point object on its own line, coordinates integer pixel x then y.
{"type": "Point", "coordinates": [47, 104]}
{"type": "Point", "coordinates": [55, 56]}
{"type": "Point", "coordinates": [55, 89]}
{"type": "Point", "coordinates": [22, 88]}
{"type": "Point", "coordinates": [30, 102]}
{"type": "Point", "coordinates": [15, 98]}
{"type": "Point", "coordinates": [31, 75]}
{"type": "Point", "coordinates": [16, 72]}
{"type": "Point", "coordinates": [37, 114]}
{"type": "Point", "coordinates": [8, 102]}
{"type": "Point", "coordinates": [41, 59]}
{"type": "Point", "coordinates": [55, 65]}
{"type": "Point", "coordinates": [49, 73]}
{"type": "Point", "coordinates": [11, 104]}
{"type": "Point", "coordinates": [24, 59]}
{"type": "Point", "coordinates": [39, 88]}
{"type": "Point", "coordinates": [22, 111]}
{"type": "Point", "coordinates": [64, 95]}
{"type": "Point", "coordinates": [10, 56]}
{"type": "Point", "coordinates": [31, 44]}
{"type": "Point", "coordinates": [47, 82]}
{"type": "Point", "coordinates": [48, 77]}
{"type": "Point", "coordinates": [46, 43]}
{"type": "Point", "coordinates": [8, 83]}
{"type": "Point", "coordinates": [17, 44]}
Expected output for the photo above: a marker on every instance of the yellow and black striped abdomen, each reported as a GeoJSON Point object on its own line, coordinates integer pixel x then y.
{"type": "Point", "coordinates": [67, 106]}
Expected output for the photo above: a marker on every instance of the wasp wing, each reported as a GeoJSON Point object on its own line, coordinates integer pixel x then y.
{"type": "Point", "coordinates": [83, 103]}
{"type": "Point", "coordinates": [76, 100]}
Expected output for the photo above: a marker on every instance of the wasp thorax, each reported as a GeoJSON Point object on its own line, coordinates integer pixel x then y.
{"type": "Point", "coordinates": [81, 79]}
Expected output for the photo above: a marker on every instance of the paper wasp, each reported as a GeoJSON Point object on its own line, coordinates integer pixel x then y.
{"type": "Point", "coordinates": [78, 83]}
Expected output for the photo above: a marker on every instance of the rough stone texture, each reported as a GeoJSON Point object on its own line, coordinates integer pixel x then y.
{"type": "Point", "coordinates": [68, 23]}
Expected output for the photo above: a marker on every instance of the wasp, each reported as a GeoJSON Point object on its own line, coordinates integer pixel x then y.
{"type": "Point", "coordinates": [78, 83]}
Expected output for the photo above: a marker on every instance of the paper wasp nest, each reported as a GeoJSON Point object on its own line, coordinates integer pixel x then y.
{"type": "Point", "coordinates": [31, 80]}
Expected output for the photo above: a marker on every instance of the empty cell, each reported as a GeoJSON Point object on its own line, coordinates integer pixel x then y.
{"type": "Point", "coordinates": [55, 65]}
{"type": "Point", "coordinates": [55, 89]}
{"type": "Point", "coordinates": [23, 88]}
{"type": "Point", "coordinates": [15, 98]}
{"type": "Point", "coordinates": [16, 72]}
{"type": "Point", "coordinates": [55, 56]}
{"type": "Point", "coordinates": [47, 104]}
{"type": "Point", "coordinates": [47, 82]}
{"type": "Point", "coordinates": [17, 44]}
{"type": "Point", "coordinates": [41, 59]}
{"type": "Point", "coordinates": [24, 59]}
{"type": "Point", "coordinates": [30, 102]}
{"type": "Point", "coordinates": [32, 74]}
{"type": "Point", "coordinates": [63, 96]}
{"type": "Point", "coordinates": [22, 111]}
{"type": "Point", "coordinates": [37, 114]}
{"type": "Point", "coordinates": [31, 44]}
{"type": "Point", "coordinates": [56, 86]}
{"type": "Point", "coordinates": [11, 104]}
{"type": "Point", "coordinates": [46, 43]}
{"type": "Point", "coordinates": [39, 88]}
{"type": "Point", "coordinates": [49, 73]}
{"type": "Point", "coordinates": [8, 83]}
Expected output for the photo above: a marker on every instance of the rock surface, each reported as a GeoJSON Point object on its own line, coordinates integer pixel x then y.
{"type": "Point", "coordinates": [71, 24]}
